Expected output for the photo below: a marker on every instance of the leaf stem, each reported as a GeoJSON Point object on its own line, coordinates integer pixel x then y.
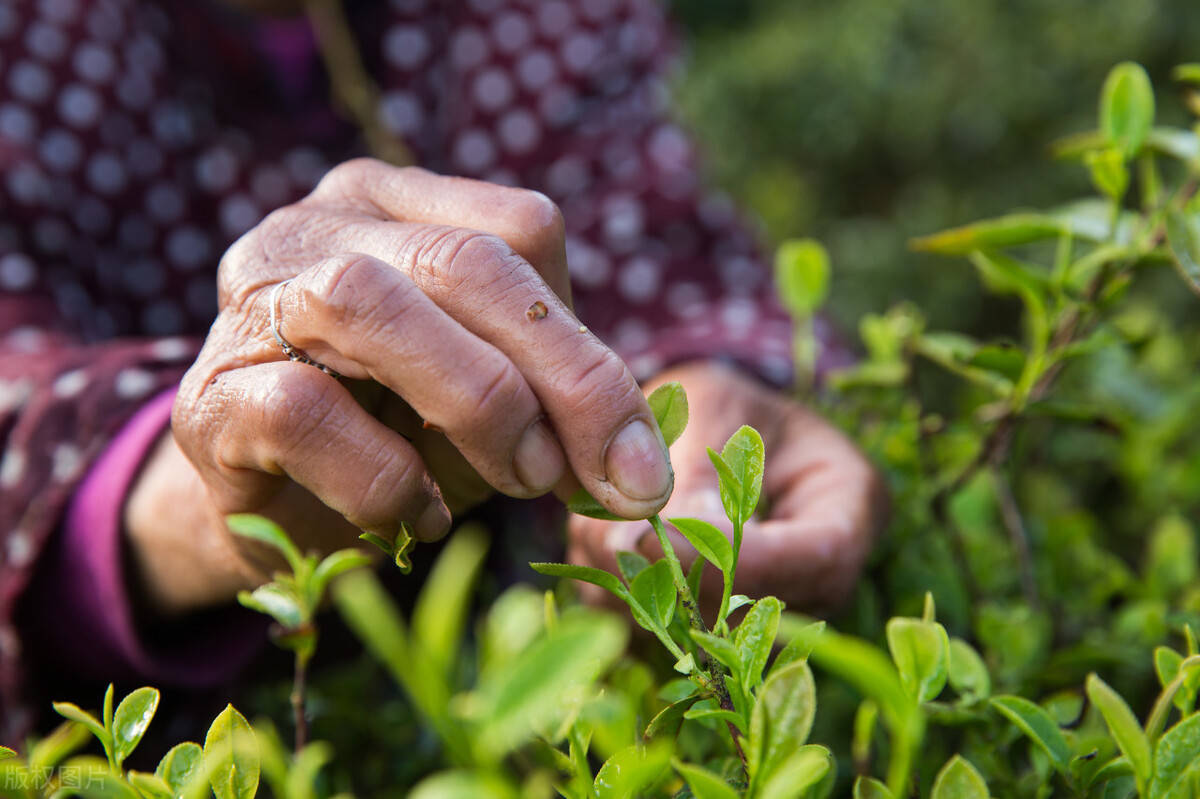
{"type": "Point", "coordinates": [685, 592]}
{"type": "Point", "coordinates": [298, 698]}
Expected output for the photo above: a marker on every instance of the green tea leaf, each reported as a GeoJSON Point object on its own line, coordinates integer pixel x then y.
{"type": "Point", "coordinates": [1177, 753]}
{"type": "Point", "coordinates": [669, 405]}
{"type": "Point", "coordinates": [871, 788]}
{"type": "Point", "coordinates": [6, 753]}
{"type": "Point", "coordinates": [334, 564]}
{"type": "Point", "coordinates": [464, 785]}
{"type": "Point", "coordinates": [1127, 107]}
{"type": "Point", "coordinates": [666, 723]}
{"type": "Point", "coordinates": [710, 542]}
{"type": "Point", "coordinates": [958, 779]}
{"type": "Point", "coordinates": [511, 704]}
{"type": "Point", "coordinates": [587, 574]}
{"type": "Point", "coordinates": [1039, 727]}
{"type": "Point", "coordinates": [780, 721]}
{"type": "Point", "coordinates": [632, 770]}
{"type": "Point", "coordinates": [737, 601]}
{"type": "Point", "coordinates": [968, 673]}
{"type": "Point", "coordinates": [1108, 171]}
{"type": "Point", "coordinates": [179, 764]}
{"type": "Point", "coordinates": [1005, 231]}
{"type": "Point", "coordinates": [717, 714]}
{"type": "Point", "coordinates": [744, 455]}
{"type": "Point", "coordinates": [1183, 239]}
{"type": "Point", "coordinates": [921, 652]}
{"type": "Point", "coordinates": [805, 769]}
{"type": "Point", "coordinates": [631, 564]}
{"type": "Point", "coordinates": [800, 642]}
{"type": "Point", "coordinates": [704, 784]}
{"type": "Point", "coordinates": [654, 589]}
{"type": "Point", "coordinates": [802, 275]}
{"type": "Point", "coordinates": [584, 504]}
{"type": "Point", "coordinates": [260, 528]}
{"type": "Point", "coordinates": [1187, 73]}
{"type": "Point", "coordinates": [73, 712]}
{"type": "Point", "coordinates": [440, 611]}
{"type": "Point", "coordinates": [277, 602]}
{"type": "Point", "coordinates": [133, 716]}
{"type": "Point", "coordinates": [150, 785]}
{"type": "Point", "coordinates": [720, 648]}
{"type": "Point", "coordinates": [1124, 727]}
{"type": "Point", "coordinates": [231, 756]}
{"type": "Point", "coordinates": [754, 639]}
{"type": "Point", "coordinates": [62, 741]}
{"type": "Point", "coordinates": [94, 778]}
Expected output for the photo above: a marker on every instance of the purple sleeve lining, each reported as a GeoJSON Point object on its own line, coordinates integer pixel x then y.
{"type": "Point", "coordinates": [87, 574]}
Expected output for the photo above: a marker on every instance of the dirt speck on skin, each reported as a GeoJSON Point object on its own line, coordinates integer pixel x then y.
{"type": "Point", "coordinates": [431, 426]}
{"type": "Point", "coordinates": [536, 311]}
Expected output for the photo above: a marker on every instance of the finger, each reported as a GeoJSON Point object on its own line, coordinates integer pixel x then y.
{"type": "Point", "coordinates": [249, 427]}
{"type": "Point", "coordinates": [367, 319]}
{"type": "Point", "coordinates": [527, 220]}
{"type": "Point", "coordinates": [593, 403]}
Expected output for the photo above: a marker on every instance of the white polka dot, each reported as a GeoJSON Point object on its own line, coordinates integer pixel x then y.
{"type": "Point", "coordinates": [492, 89]}
{"type": "Point", "coordinates": [94, 63]}
{"type": "Point", "coordinates": [406, 46]}
{"type": "Point", "coordinates": [579, 52]}
{"type": "Point", "coordinates": [554, 18]}
{"type": "Point", "coordinates": [17, 123]}
{"type": "Point", "coordinates": [638, 280]}
{"type": "Point", "coordinates": [19, 550]}
{"type": "Point", "coordinates": [567, 175]}
{"type": "Point", "coordinates": [144, 55]}
{"type": "Point", "coordinates": [589, 267]}
{"type": "Point", "coordinates": [59, 10]}
{"type": "Point", "coordinates": [536, 69]}
{"type": "Point", "coordinates": [188, 248]}
{"type": "Point", "coordinates": [716, 211]}
{"type": "Point", "coordinates": [92, 216]}
{"type": "Point", "coordinates": [172, 125]}
{"type": "Point", "coordinates": [104, 22]}
{"type": "Point", "coordinates": [171, 349]}
{"type": "Point", "coordinates": [79, 106]}
{"type": "Point", "coordinates": [26, 184]}
{"type": "Point", "coordinates": [270, 186]}
{"type": "Point", "coordinates": [474, 150]}
{"type": "Point", "coordinates": [29, 81]}
{"type": "Point", "coordinates": [135, 91]}
{"type": "Point", "coordinates": [65, 464]}
{"type": "Point", "coordinates": [14, 394]}
{"type": "Point", "coordinates": [143, 157]}
{"type": "Point", "coordinates": [12, 469]}
{"type": "Point", "coordinates": [106, 174]}
{"type": "Point", "coordinates": [239, 214]}
{"type": "Point", "coordinates": [60, 150]}
{"type": "Point", "coordinates": [737, 315]}
{"type": "Point", "coordinates": [511, 32]}
{"type": "Point", "coordinates": [165, 203]}
{"type": "Point", "coordinates": [776, 368]}
{"type": "Point", "coordinates": [632, 334]}
{"type": "Point", "coordinates": [519, 131]}
{"type": "Point", "coordinates": [133, 383]}
{"type": "Point", "coordinates": [623, 221]}
{"type": "Point", "coordinates": [8, 20]}
{"type": "Point", "coordinates": [686, 300]}
{"type": "Point", "coordinates": [144, 277]}
{"type": "Point", "coordinates": [17, 271]}
{"type": "Point", "coordinates": [669, 148]}
{"type": "Point", "coordinates": [502, 177]}
{"type": "Point", "coordinates": [45, 41]}
{"type": "Point", "coordinates": [306, 166]}
{"type": "Point", "coordinates": [162, 318]}
{"type": "Point", "coordinates": [740, 273]}
{"type": "Point", "coordinates": [468, 48]}
{"type": "Point", "coordinates": [401, 112]}
{"type": "Point", "coordinates": [217, 170]}
{"type": "Point", "coordinates": [645, 366]}
{"type": "Point", "coordinates": [136, 233]}
{"type": "Point", "coordinates": [69, 384]}
{"type": "Point", "coordinates": [26, 339]}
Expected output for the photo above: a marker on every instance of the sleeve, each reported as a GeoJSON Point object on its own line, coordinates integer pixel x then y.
{"type": "Point", "coordinates": [572, 100]}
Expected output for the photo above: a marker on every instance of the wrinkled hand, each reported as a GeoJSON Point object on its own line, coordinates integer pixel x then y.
{"type": "Point", "coordinates": [824, 501]}
{"type": "Point", "coordinates": [444, 303]}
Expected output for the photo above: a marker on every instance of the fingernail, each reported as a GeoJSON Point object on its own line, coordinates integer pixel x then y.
{"type": "Point", "coordinates": [539, 461]}
{"type": "Point", "coordinates": [637, 462]}
{"type": "Point", "coordinates": [433, 523]}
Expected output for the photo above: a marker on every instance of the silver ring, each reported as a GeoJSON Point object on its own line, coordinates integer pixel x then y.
{"type": "Point", "coordinates": [291, 352]}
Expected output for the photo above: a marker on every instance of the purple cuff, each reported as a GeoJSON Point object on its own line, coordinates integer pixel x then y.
{"type": "Point", "coordinates": [88, 574]}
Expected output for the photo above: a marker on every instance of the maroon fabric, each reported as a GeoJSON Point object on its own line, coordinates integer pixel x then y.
{"type": "Point", "coordinates": [138, 138]}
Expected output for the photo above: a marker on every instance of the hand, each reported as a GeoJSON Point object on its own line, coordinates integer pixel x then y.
{"type": "Point", "coordinates": [444, 303]}
{"type": "Point", "coordinates": [824, 501]}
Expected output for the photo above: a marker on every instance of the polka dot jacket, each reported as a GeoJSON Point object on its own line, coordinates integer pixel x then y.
{"type": "Point", "coordinates": [139, 138]}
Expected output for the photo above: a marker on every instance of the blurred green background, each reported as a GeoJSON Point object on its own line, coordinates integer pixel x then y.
{"type": "Point", "coordinates": [866, 122]}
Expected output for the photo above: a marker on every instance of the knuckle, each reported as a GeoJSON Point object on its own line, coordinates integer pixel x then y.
{"type": "Point", "coordinates": [493, 398]}
{"type": "Point", "coordinates": [343, 288]}
{"type": "Point", "coordinates": [601, 380]}
{"type": "Point", "coordinates": [343, 178]}
{"type": "Point", "coordinates": [451, 259]}
{"type": "Point", "coordinates": [292, 404]}
{"type": "Point", "coordinates": [537, 216]}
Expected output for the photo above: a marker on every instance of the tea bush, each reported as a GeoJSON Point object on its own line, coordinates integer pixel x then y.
{"type": "Point", "coordinates": [1040, 563]}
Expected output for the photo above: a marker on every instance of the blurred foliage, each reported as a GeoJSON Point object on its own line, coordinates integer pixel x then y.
{"type": "Point", "coordinates": [865, 122]}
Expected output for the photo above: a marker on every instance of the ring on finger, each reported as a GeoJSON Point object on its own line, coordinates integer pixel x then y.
{"type": "Point", "coordinates": [291, 352]}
